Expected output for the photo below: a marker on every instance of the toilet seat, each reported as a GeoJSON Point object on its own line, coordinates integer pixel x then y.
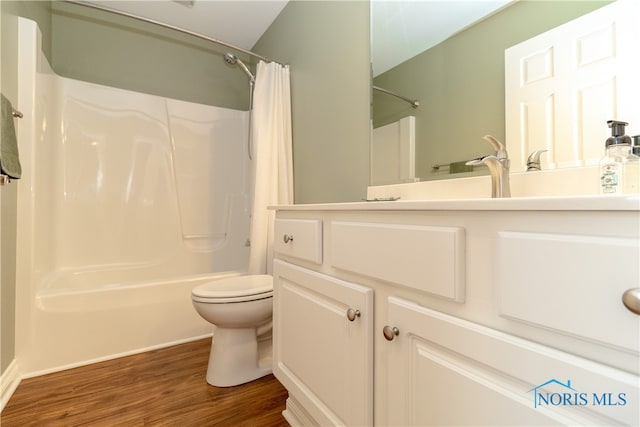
{"type": "Point", "coordinates": [234, 289]}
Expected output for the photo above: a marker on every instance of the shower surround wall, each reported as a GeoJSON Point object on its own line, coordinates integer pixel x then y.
{"type": "Point", "coordinates": [128, 201]}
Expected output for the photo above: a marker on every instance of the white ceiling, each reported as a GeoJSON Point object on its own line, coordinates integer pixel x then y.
{"type": "Point", "coordinates": [400, 28]}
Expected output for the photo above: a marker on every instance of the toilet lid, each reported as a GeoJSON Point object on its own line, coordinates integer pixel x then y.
{"type": "Point", "coordinates": [235, 287]}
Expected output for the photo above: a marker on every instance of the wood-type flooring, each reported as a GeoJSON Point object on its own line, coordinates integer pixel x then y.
{"type": "Point", "coordinates": [164, 387]}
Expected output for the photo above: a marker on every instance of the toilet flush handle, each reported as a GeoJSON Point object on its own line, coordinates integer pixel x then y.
{"type": "Point", "coordinates": [287, 238]}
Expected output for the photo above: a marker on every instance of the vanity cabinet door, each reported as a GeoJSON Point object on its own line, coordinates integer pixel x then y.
{"type": "Point", "coordinates": [323, 344]}
{"type": "Point", "coordinates": [443, 370]}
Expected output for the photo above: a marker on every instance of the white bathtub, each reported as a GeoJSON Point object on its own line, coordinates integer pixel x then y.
{"type": "Point", "coordinates": [125, 296]}
{"type": "Point", "coordinates": [77, 328]}
{"type": "Point", "coordinates": [127, 202]}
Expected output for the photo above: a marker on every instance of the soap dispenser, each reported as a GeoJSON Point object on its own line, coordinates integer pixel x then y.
{"type": "Point", "coordinates": [635, 145]}
{"type": "Point", "coordinates": [619, 168]}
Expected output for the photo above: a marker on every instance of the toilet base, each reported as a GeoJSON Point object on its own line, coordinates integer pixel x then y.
{"type": "Point", "coordinates": [237, 356]}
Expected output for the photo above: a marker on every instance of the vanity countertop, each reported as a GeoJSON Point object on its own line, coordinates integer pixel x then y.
{"type": "Point", "coordinates": [624, 202]}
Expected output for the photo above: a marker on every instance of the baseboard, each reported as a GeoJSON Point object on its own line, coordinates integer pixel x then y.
{"type": "Point", "coordinates": [296, 416]}
{"type": "Point", "coordinates": [112, 356]}
{"type": "Point", "coordinates": [9, 382]}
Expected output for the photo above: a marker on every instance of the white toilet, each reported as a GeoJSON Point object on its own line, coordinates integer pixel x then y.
{"type": "Point", "coordinates": [241, 310]}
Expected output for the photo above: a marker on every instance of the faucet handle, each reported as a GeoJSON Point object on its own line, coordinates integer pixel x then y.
{"type": "Point", "coordinates": [480, 160]}
{"type": "Point", "coordinates": [533, 162]}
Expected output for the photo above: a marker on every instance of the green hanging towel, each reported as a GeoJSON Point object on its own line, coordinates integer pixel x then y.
{"type": "Point", "coordinates": [9, 159]}
{"type": "Point", "coordinates": [459, 167]}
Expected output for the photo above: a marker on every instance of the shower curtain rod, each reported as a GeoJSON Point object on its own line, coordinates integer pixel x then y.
{"type": "Point", "coordinates": [414, 102]}
{"type": "Point", "coordinates": [171, 27]}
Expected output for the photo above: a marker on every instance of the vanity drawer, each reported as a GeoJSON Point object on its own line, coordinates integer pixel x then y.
{"type": "Point", "coordinates": [299, 238]}
{"type": "Point", "coordinates": [425, 258]}
{"type": "Point", "coordinates": [572, 284]}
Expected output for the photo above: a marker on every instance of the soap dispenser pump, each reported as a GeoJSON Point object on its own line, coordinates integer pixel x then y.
{"type": "Point", "coordinates": [619, 167]}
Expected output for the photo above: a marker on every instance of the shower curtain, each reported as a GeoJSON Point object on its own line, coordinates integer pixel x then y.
{"type": "Point", "coordinates": [273, 162]}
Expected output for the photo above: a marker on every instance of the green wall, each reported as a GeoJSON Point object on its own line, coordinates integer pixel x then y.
{"type": "Point", "coordinates": [460, 83]}
{"type": "Point", "coordinates": [327, 45]}
{"type": "Point", "coordinates": [112, 50]}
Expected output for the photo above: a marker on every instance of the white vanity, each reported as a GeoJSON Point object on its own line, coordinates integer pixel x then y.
{"type": "Point", "coordinates": [459, 312]}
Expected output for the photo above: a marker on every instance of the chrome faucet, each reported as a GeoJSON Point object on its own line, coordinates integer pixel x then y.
{"type": "Point", "coordinates": [498, 165]}
{"type": "Point", "coordinates": [533, 162]}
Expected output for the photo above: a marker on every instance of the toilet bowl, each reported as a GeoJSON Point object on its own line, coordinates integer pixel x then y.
{"type": "Point", "coordinates": [241, 310]}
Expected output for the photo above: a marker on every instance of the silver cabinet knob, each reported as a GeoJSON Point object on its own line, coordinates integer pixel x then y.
{"type": "Point", "coordinates": [352, 314]}
{"type": "Point", "coordinates": [631, 300]}
{"type": "Point", "coordinates": [287, 238]}
{"type": "Point", "coordinates": [390, 332]}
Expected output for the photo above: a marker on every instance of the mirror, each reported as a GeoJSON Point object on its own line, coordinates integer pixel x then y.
{"type": "Point", "coordinates": [455, 71]}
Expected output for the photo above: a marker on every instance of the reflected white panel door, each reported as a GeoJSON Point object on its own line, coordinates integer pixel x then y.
{"type": "Point", "coordinates": [323, 344]}
{"type": "Point", "coordinates": [443, 370]}
{"type": "Point", "coordinates": [563, 85]}
{"type": "Point", "coordinates": [393, 152]}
